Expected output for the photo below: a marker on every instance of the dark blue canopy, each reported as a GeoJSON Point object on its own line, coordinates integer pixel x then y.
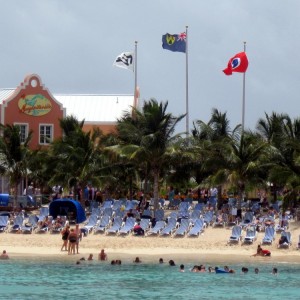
{"type": "Point", "coordinates": [67, 207]}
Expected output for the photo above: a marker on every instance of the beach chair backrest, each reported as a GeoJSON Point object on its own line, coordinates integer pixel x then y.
{"type": "Point", "coordinates": [159, 215]}
{"type": "Point", "coordinates": [19, 220]}
{"type": "Point", "coordinates": [270, 232]}
{"type": "Point", "coordinates": [104, 221]}
{"type": "Point", "coordinates": [96, 211]}
{"type": "Point", "coordinates": [117, 204]}
{"type": "Point", "coordinates": [199, 206]}
{"type": "Point", "coordinates": [108, 211]}
{"type": "Point", "coordinates": [172, 222]}
{"type": "Point", "coordinates": [185, 223]}
{"type": "Point", "coordinates": [183, 206]}
{"type": "Point", "coordinates": [199, 223]}
{"type": "Point", "coordinates": [147, 213]}
{"type": "Point", "coordinates": [44, 211]}
{"type": "Point", "coordinates": [117, 222]}
{"type": "Point", "coordinates": [237, 230]}
{"type": "Point", "coordinates": [145, 224]}
{"type": "Point", "coordinates": [3, 221]}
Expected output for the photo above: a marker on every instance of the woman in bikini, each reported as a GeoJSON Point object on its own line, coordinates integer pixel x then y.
{"type": "Point", "coordinates": [72, 241]}
{"type": "Point", "coordinates": [65, 235]}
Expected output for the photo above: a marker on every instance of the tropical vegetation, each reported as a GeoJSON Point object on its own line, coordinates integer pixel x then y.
{"type": "Point", "coordinates": [145, 152]}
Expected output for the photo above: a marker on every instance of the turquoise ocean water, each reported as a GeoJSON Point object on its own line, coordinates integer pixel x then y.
{"type": "Point", "coordinates": [50, 279]}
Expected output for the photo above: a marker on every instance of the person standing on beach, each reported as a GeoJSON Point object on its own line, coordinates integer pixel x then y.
{"type": "Point", "coordinates": [65, 234]}
{"type": "Point", "coordinates": [72, 241]}
{"type": "Point", "coordinates": [79, 236]}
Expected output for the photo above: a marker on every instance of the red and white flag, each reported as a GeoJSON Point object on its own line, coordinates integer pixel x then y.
{"type": "Point", "coordinates": [238, 63]}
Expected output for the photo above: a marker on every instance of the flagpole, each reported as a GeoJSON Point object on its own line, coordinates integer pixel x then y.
{"type": "Point", "coordinates": [135, 67]}
{"type": "Point", "coordinates": [244, 100]}
{"type": "Point", "coordinates": [187, 83]}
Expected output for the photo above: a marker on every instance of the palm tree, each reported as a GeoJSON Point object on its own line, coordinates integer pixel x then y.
{"type": "Point", "coordinates": [146, 137]}
{"type": "Point", "coordinates": [210, 139]}
{"type": "Point", "coordinates": [283, 135]}
{"type": "Point", "coordinates": [75, 158]}
{"type": "Point", "coordinates": [13, 156]}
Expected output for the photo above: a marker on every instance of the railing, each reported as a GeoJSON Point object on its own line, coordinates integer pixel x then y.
{"type": "Point", "coordinates": [24, 201]}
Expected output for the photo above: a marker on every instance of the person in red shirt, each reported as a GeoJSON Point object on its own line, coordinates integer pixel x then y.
{"type": "Point", "coordinates": [262, 252]}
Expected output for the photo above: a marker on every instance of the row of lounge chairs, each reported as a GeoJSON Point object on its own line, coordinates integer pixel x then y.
{"type": "Point", "coordinates": [251, 236]}
{"type": "Point", "coordinates": [31, 224]}
{"type": "Point", "coordinates": [117, 226]}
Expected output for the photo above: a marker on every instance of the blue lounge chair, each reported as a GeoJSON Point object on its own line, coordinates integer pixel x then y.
{"type": "Point", "coordinates": [247, 219]}
{"type": "Point", "coordinates": [159, 215]}
{"type": "Point", "coordinates": [269, 235]}
{"type": "Point", "coordinates": [288, 239]}
{"type": "Point", "coordinates": [183, 228]}
{"type": "Point", "coordinates": [108, 211]}
{"type": "Point", "coordinates": [128, 226]}
{"type": "Point", "coordinates": [250, 235]}
{"type": "Point", "coordinates": [220, 220]}
{"type": "Point", "coordinates": [96, 211]}
{"type": "Point", "coordinates": [170, 227]}
{"type": "Point", "coordinates": [199, 206]}
{"type": "Point", "coordinates": [103, 225]}
{"type": "Point", "coordinates": [58, 225]}
{"type": "Point", "coordinates": [194, 215]}
{"type": "Point", "coordinates": [197, 228]}
{"type": "Point", "coordinates": [18, 223]}
{"type": "Point", "coordinates": [147, 214]}
{"type": "Point", "coordinates": [115, 226]}
{"type": "Point", "coordinates": [92, 222]}
{"type": "Point", "coordinates": [3, 223]}
{"type": "Point", "coordinates": [236, 234]}
{"type": "Point", "coordinates": [119, 213]}
{"type": "Point", "coordinates": [31, 224]}
{"type": "Point", "coordinates": [131, 204]}
{"type": "Point", "coordinates": [117, 205]}
{"type": "Point", "coordinates": [208, 217]}
{"type": "Point", "coordinates": [44, 212]}
{"type": "Point", "coordinates": [157, 228]}
{"type": "Point", "coordinates": [145, 224]}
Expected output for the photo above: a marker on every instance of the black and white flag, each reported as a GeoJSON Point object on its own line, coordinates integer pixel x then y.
{"type": "Point", "coordinates": [124, 60]}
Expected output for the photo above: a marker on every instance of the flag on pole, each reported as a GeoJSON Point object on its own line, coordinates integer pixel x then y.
{"type": "Point", "coordinates": [238, 63]}
{"type": "Point", "coordinates": [124, 60]}
{"type": "Point", "coordinates": [174, 42]}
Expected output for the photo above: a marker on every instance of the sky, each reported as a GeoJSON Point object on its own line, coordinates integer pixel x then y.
{"type": "Point", "coordinates": [72, 45]}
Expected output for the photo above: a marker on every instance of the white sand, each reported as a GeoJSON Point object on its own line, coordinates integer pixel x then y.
{"type": "Point", "coordinates": [209, 246]}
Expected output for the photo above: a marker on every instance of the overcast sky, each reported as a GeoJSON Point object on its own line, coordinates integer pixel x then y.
{"type": "Point", "coordinates": [72, 44]}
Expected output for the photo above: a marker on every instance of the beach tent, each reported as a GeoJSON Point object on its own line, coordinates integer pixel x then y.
{"type": "Point", "coordinates": [67, 207]}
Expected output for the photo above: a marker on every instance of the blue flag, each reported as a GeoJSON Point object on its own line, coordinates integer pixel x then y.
{"type": "Point", "coordinates": [174, 42]}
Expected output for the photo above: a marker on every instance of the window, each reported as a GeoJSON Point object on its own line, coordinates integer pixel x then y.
{"type": "Point", "coordinates": [23, 132]}
{"type": "Point", "coordinates": [46, 134]}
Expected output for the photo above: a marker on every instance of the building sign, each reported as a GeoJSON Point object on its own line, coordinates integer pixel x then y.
{"type": "Point", "coordinates": [34, 105]}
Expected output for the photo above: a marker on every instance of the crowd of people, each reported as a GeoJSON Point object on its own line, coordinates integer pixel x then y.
{"type": "Point", "coordinates": [102, 256]}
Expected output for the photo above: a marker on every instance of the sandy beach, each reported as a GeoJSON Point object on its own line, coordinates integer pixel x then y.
{"type": "Point", "coordinates": [209, 246]}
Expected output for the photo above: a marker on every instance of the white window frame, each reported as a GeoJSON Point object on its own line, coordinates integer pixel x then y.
{"type": "Point", "coordinates": [45, 142]}
{"type": "Point", "coordinates": [26, 125]}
